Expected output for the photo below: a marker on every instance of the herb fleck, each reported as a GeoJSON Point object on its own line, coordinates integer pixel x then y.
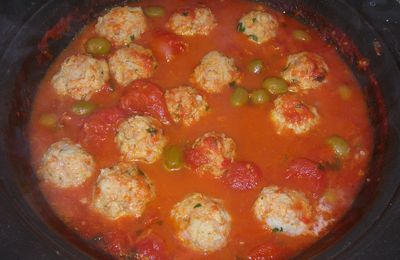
{"type": "Point", "coordinates": [132, 37]}
{"type": "Point", "coordinates": [152, 130]}
{"type": "Point", "coordinates": [240, 27]}
{"type": "Point", "coordinates": [185, 13]}
{"type": "Point", "coordinates": [254, 20]}
{"type": "Point", "coordinates": [253, 37]}
{"type": "Point", "coordinates": [140, 172]}
{"type": "Point", "coordinates": [198, 205]}
{"type": "Point", "coordinates": [276, 229]}
{"type": "Point", "coordinates": [232, 84]}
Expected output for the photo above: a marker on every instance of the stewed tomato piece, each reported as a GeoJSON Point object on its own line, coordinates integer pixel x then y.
{"type": "Point", "coordinates": [242, 176]}
{"type": "Point", "coordinates": [166, 45]}
{"type": "Point", "coordinates": [145, 97]}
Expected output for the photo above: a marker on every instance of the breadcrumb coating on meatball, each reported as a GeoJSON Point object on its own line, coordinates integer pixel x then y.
{"type": "Point", "coordinates": [140, 138]}
{"type": "Point", "coordinates": [283, 210]}
{"type": "Point", "coordinates": [290, 113]}
{"type": "Point", "coordinates": [198, 21]}
{"type": "Point", "coordinates": [258, 26]}
{"type": "Point", "coordinates": [215, 72]}
{"type": "Point", "coordinates": [305, 70]}
{"type": "Point", "coordinates": [122, 25]}
{"type": "Point", "coordinates": [130, 63]}
{"type": "Point", "coordinates": [122, 190]}
{"type": "Point", "coordinates": [185, 105]}
{"type": "Point", "coordinates": [66, 164]}
{"type": "Point", "coordinates": [80, 76]}
{"type": "Point", "coordinates": [202, 222]}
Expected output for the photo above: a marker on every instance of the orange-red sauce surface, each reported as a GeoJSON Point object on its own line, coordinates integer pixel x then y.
{"type": "Point", "coordinates": [249, 126]}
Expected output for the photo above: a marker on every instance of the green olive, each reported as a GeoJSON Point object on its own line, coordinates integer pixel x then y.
{"type": "Point", "coordinates": [173, 158]}
{"type": "Point", "coordinates": [344, 92]}
{"type": "Point", "coordinates": [83, 108]}
{"type": "Point", "coordinates": [301, 35]}
{"type": "Point", "coordinates": [339, 146]}
{"type": "Point", "coordinates": [239, 97]}
{"type": "Point", "coordinates": [259, 96]}
{"type": "Point", "coordinates": [275, 85]}
{"type": "Point", "coordinates": [98, 46]}
{"type": "Point", "coordinates": [255, 66]}
{"type": "Point", "coordinates": [48, 120]}
{"type": "Point", "coordinates": [154, 11]}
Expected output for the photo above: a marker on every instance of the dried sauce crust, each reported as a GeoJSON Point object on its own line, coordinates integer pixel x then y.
{"type": "Point", "coordinates": [290, 113]}
{"type": "Point", "coordinates": [202, 222]}
{"type": "Point", "coordinates": [123, 190]}
{"type": "Point", "coordinates": [215, 72]}
{"type": "Point", "coordinates": [189, 22]}
{"type": "Point", "coordinates": [140, 138]}
{"type": "Point", "coordinates": [80, 76]}
{"type": "Point", "coordinates": [258, 26]}
{"type": "Point", "coordinates": [122, 25]}
{"type": "Point", "coordinates": [211, 154]}
{"type": "Point", "coordinates": [66, 164]}
{"type": "Point", "coordinates": [283, 210]}
{"type": "Point", "coordinates": [131, 63]}
{"type": "Point", "coordinates": [185, 105]}
{"type": "Point", "coordinates": [305, 70]}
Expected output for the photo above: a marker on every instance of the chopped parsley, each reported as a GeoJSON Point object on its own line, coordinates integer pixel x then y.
{"type": "Point", "coordinates": [198, 205]}
{"type": "Point", "coordinates": [240, 27]}
{"type": "Point", "coordinates": [232, 84]}
{"type": "Point", "coordinates": [151, 130]}
{"type": "Point", "coordinates": [276, 229]}
{"type": "Point", "coordinates": [254, 20]}
{"type": "Point", "coordinates": [185, 13]}
{"type": "Point", "coordinates": [140, 172]}
{"type": "Point", "coordinates": [253, 37]}
{"type": "Point", "coordinates": [132, 37]}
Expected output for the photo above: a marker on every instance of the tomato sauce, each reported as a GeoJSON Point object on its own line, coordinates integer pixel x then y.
{"type": "Point", "coordinates": [249, 126]}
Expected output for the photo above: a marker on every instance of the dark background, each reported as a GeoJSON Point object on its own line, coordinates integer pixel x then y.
{"type": "Point", "coordinates": [17, 241]}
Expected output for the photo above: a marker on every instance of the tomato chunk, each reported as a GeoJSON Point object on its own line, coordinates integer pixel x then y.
{"type": "Point", "coordinates": [101, 126]}
{"type": "Point", "coordinates": [145, 97]}
{"type": "Point", "coordinates": [150, 247]}
{"type": "Point", "coordinates": [242, 176]}
{"type": "Point", "coordinates": [166, 45]}
{"type": "Point", "coordinates": [267, 251]}
{"type": "Point", "coordinates": [306, 175]}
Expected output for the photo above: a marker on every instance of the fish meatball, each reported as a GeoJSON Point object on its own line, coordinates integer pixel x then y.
{"type": "Point", "coordinates": [202, 222]}
{"type": "Point", "coordinates": [123, 190]}
{"type": "Point", "coordinates": [258, 26]}
{"type": "Point", "coordinates": [211, 153]}
{"type": "Point", "coordinates": [122, 25]}
{"type": "Point", "coordinates": [131, 63]}
{"type": "Point", "coordinates": [292, 114]}
{"type": "Point", "coordinates": [66, 164]}
{"type": "Point", "coordinates": [185, 105]}
{"type": "Point", "coordinates": [140, 138]}
{"type": "Point", "coordinates": [198, 21]}
{"type": "Point", "coordinates": [305, 70]}
{"type": "Point", "coordinates": [215, 72]}
{"type": "Point", "coordinates": [283, 210]}
{"type": "Point", "coordinates": [80, 77]}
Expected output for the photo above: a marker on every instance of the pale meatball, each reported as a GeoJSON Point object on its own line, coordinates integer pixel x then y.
{"type": "Point", "coordinates": [216, 152]}
{"type": "Point", "coordinates": [305, 70]}
{"type": "Point", "coordinates": [66, 164]}
{"type": "Point", "coordinates": [140, 138]}
{"type": "Point", "coordinates": [123, 190]}
{"type": "Point", "coordinates": [185, 105]}
{"type": "Point", "coordinates": [198, 21]}
{"type": "Point", "coordinates": [122, 25]}
{"type": "Point", "coordinates": [80, 77]}
{"type": "Point", "coordinates": [215, 72]}
{"type": "Point", "coordinates": [131, 63]}
{"type": "Point", "coordinates": [290, 113]}
{"type": "Point", "coordinates": [283, 210]}
{"type": "Point", "coordinates": [202, 222]}
{"type": "Point", "coordinates": [258, 26]}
